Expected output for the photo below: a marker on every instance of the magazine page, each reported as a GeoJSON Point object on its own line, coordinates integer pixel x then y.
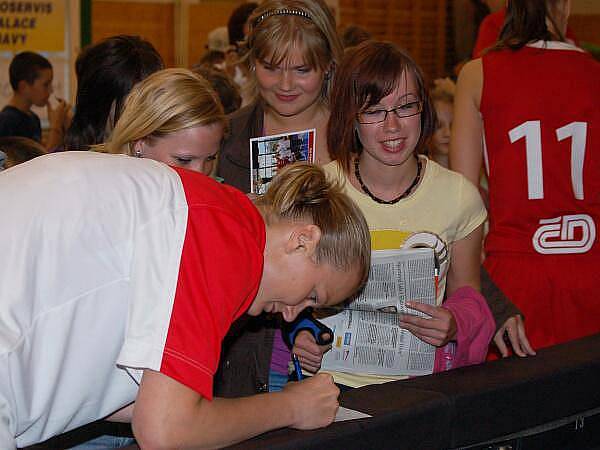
{"type": "Point", "coordinates": [395, 277]}
{"type": "Point", "coordinates": [270, 153]}
{"type": "Point", "coordinates": [368, 338]}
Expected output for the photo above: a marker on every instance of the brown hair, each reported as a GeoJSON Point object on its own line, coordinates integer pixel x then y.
{"type": "Point", "coordinates": [19, 150]}
{"type": "Point", "coordinates": [526, 22]}
{"type": "Point", "coordinates": [302, 191]}
{"type": "Point", "coordinates": [368, 73]}
{"type": "Point", "coordinates": [106, 72]}
{"type": "Point", "coordinates": [223, 85]}
{"type": "Point", "coordinates": [353, 35]}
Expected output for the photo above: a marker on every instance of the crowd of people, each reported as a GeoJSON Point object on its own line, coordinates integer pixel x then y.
{"type": "Point", "coordinates": [142, 282]}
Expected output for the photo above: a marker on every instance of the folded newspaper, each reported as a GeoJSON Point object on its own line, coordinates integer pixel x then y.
{"type": "Point", "coordinates": [368, 338]}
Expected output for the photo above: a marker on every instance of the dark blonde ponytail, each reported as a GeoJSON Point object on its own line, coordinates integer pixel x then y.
{"type": "Point", "coordinates": [302, 192]}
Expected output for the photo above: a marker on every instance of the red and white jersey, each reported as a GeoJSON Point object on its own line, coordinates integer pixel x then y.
{"type": "Point", "coordinates": [112, 265]}
{"type": "Point", "coordinates": [541, 114]}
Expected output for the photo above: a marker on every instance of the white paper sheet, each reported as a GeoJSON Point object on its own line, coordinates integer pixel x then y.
{"type": "Point", "coordinates": [349, 414]}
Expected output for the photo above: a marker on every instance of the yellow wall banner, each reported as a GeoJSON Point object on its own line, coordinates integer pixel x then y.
{"type": "Point", "coordinates": [32, 25]}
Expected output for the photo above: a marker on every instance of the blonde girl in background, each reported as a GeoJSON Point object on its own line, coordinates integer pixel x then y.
{"type": "Point", "coordinates": [442, 96]}
{"type": "Point", "coordinates": [292, 50]}
{"type": "Point", "coordinates": [173, 116]}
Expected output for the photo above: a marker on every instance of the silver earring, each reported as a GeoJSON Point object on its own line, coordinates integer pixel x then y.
{"type": "Point", "coordinates": [136, 151]}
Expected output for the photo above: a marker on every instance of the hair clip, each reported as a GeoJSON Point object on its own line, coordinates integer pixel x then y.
{"type": "Point", "coordinates": [281, 12]}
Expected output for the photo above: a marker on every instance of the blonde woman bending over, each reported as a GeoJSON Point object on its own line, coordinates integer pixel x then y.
{"type": "Point", "coordinates": [150, 281]}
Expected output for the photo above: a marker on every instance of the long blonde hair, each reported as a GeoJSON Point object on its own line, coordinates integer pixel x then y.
{"type": "Point", "coordinates": [278, 26]}
{"type": "Point", "coordinates": [166, 102]}
{"type": "Point", "coordinates": [302, 191]}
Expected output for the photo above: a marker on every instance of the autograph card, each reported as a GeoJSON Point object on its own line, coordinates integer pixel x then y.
{"type": "Point", "coordinates": [270, 153]}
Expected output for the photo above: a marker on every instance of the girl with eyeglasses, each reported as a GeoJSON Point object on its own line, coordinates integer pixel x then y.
{"type": "Point", "coordinates": [381, 119]}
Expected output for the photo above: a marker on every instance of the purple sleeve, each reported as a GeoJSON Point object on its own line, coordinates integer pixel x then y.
{"type": "Point", "coordinates": [475, 329]}
{"type": "Point", "coordinates": [281, 355]}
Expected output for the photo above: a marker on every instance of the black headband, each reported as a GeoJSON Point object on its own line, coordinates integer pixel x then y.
{"type": "Point", "coordinates": [281, 12]}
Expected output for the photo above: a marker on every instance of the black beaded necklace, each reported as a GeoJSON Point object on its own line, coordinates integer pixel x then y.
{"type": "Point", "coordinates": [405, 194]}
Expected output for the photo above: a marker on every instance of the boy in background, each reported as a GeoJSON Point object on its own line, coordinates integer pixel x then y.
{"type": "Point", "coordinates": [30, 76]}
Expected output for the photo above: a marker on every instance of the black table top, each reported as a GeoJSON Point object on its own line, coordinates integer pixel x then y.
{"type": "Point", "coordinates": [461, 407]}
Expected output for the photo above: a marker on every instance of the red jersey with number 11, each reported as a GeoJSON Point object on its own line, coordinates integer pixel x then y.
{"type": "Point", "coordinates": [541, 115]}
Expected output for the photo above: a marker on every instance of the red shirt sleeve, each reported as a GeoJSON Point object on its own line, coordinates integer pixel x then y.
{"type": "Point", "coordinates": [219, 275]}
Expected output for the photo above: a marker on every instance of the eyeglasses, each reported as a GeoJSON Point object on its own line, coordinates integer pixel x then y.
{"type": "Point", "coordinates": [379, 115]}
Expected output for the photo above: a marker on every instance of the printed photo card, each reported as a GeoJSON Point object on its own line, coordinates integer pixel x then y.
{"type": "Point", "coordinates": [270, 153]}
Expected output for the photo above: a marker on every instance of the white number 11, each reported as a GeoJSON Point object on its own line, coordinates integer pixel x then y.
{"type": "Point", "coordinates": [532, 132]}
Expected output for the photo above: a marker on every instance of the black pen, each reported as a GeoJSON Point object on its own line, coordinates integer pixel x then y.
{"type": "Point", "coordinates": [297, 367]}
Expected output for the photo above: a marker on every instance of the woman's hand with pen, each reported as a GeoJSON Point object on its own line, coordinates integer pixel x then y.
{"type": "Point", "coordinates": [438, 329]}
{"type": "Point", "coordinates": [309, 353]}
{"type": "Point", "coordinates": [314, 401]}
